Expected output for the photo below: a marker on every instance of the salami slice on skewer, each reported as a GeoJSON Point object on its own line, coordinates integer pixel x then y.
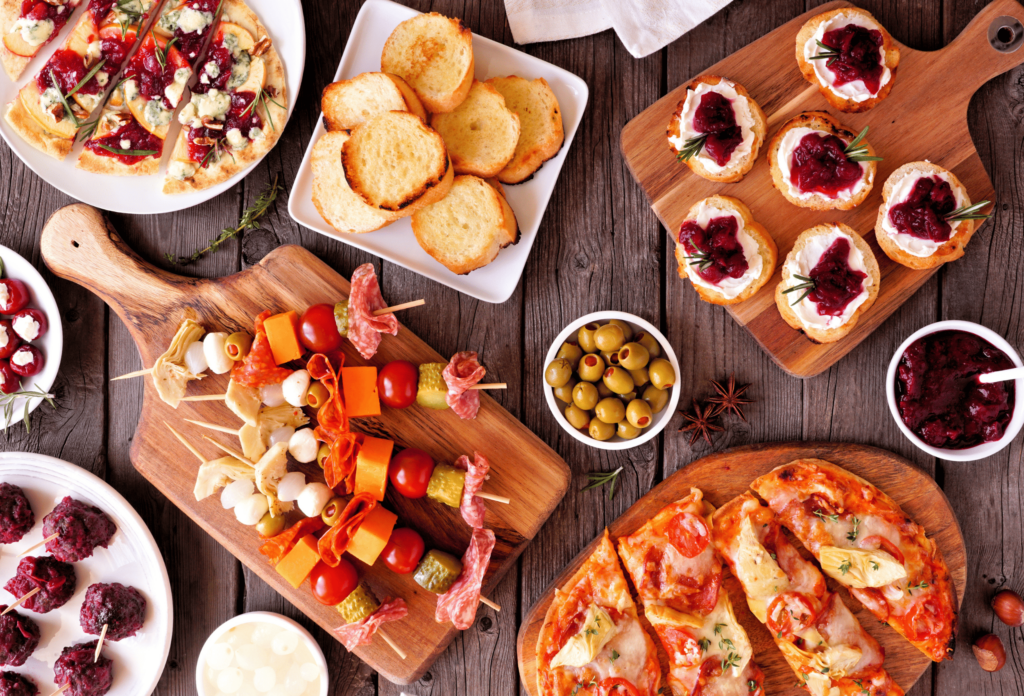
{"type": "Point", "coordinates": [463, 372]}
{"type": "Point", "coordinates": [258, 368]}
{"type": "Point", "coordinates": [459, 603]}
{"type": "Point", "coordinates": [472, 507]}
{"type": "Point", "coordinates": [333, 428]}
{"type": "Point", "coordinates": [277, 547]}
{"type": "Point", "coordinates": [361, 632]}
{"type": "Point", "coordinates": [334, 543]}
{"type": "Point", "coordinates": [364, 329]}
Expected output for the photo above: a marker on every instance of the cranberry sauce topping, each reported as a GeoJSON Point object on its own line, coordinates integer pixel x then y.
{"type": "Point", "coordinates": [720, 242]}
{"type": "Point", "coordinates": [68, 69]}
{"type": "Point", "coordinates": [56, 581]}
{"type": "Point", "coordinates": [859, 57]}
{"type": "Point", "coordinates": [114, 49]}
{"type": "Point", "coordinates": [100, 9]}
{"type": "Point", "coordinates": [78, 667]}
{"type": "Point", "coordinates": [819, 165]}
{"type": "Point", "coordinates": [141, 140]}
{"type": "Point", "coordinates": [190, 44]}
{"type": "Point", "coordinates": [240, 116]}
{"type": "Point", "coordinates": [80, 528]}
{"type": "Point", "coordinates": [939, 397]}
{"type": "Point", "coordinates": [34, 9]}
{"type": "Point", "coordinates": [121, 609]}
{"type": "Point", "coordinates": [16, 516]}
{"type": "Point", "coordinates": [222, 57]}
{"type": "Point", "coordinates": [19, 636]}
{"type": "Point", "coordinates": [715, 118]}
{"type": "Point", "coordinates": [923, 214]}
{"type": "Point", "coordinates": [14, 684]}
{"type": "Point", "coordinates": [836, 285]}
{"type": "Point", "coordinates": [151, 77]}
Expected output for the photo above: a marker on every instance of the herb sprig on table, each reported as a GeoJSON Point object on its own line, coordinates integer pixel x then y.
{"type": "Point", "coordinates": [7, 403]}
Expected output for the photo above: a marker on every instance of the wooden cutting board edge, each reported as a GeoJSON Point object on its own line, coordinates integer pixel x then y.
{"type": "Point", "coordinates": [768, 456]}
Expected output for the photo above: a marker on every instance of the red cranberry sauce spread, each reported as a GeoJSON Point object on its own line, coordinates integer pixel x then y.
{"type": "Point", "coordinates": [68, 69]}
{"type": "Point", "coordinates": [100, 9]}
{"type": "Point", "coordinates": [141, 140]}
{"type": "Point", "coordinates": [819, 165]}
{"type": "Point", "coordinates": [859, 56]}
{"type": "Point", "coordinates": [939, 397]}
{"type": "Point", "coordinates": [240, 116]}
{"type": "Point", "coordinates": [716, 250]}
{"type": "Point", "coordinates": [39, 11]}
{"type": "Point", "coordinates": [191, 43]}
{"type": "Point", "coordinates": [715, 118]}
{"type": "Point", "coordinates": [923, 214]}
{"type": "Point", "coordinates": [221, 56]}
{"type": "Point", "coordinates": [836, 285]}
{"type": "Point", "coordinates": [147, 72]}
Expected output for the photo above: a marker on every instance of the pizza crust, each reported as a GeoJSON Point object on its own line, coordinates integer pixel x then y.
{"type": "Point", "coordinates": [14, 66]}
{"type": "Point", "coordinates": [35, 135]}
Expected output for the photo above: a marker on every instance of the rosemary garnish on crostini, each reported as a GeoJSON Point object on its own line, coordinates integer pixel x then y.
{"type": "Point", "coordinates": [969, 212]}
{"type": "Point", "coordinates": [691, 147]}
{"type": "Point", "coordinates": [855, 152]}
{"type": "Point", "coordinates": [828, 53]}
{"type": "Point", "coordinates": [807, 284]}
{"type": "Point", "coordinates": [701, 259]}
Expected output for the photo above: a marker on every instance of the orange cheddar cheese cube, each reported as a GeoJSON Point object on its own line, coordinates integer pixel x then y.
{"type": "Point", "coordinates": [372, 466]}
{"type": "Point", "coordinates": [283, 336]}
{"type": "Point", "coordinates": [372, 535]}
{"type": "Point", "coordinates": [359, 386]}
{"type": "Point", "coordinates": [298, 564]}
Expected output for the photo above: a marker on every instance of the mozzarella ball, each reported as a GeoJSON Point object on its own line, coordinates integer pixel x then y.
{"type": "Point", "coordinates": [295, 386]}
{"type": "Point", "coordinates": [195, 358]}
{"type": "Point", "coordinates": [213, 349]}
{"type": "Point", "coordinates": [290, 485]}
{"type": "Point", "coordinates": [272, 395]}
{"type": "Point", "coordinates": [252, 509]}
{"type": "Point", "coordinates": [303, 445]}
{"type": "Point", "coordinates": [235, 492]}
{"type": "Point", "coordinates": [314, 498]}
{"type": "Point", "coordinates": [282, 434]}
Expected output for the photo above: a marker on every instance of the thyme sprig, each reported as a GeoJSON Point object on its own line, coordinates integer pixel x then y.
{"type": "Point", "coordinates": [598, 479]}
{"type": "Point", "coordinates": [807, 284]}
{"type": "Point", "coordinates": [969, 212]}
{"type": "Point", "coordinates": [856, 152]}
{"type": "Point", "coordinates": [827, 53]}
{"type": "Point", "coordinates": [691, 147]}
{"type": "Point", "coordinates": [7, 402]}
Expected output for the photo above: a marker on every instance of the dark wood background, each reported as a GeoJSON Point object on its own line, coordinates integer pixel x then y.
{"type": "Point", "coordinates": [599, 247]}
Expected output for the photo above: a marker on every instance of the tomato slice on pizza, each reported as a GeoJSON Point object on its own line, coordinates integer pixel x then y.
{"type": "Point", "coordinates": [27, 26]}
{"type": "Point", "coordinates": [678, 576]}
{"type": "Point", "coordinates": [592, 642]}
{"type": "Point", "coordinates": [862, 538]}
{"type": "Point", "coordinates": [821, 639]}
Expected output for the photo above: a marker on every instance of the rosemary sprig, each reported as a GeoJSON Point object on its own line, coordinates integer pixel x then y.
{"type": "Point", "coordinates": [161, 53]}
{"type": "Point", "coordinates": [969, 212]}
{"type": "Point", "coordinates": [700, 259]}
{"type": "Point", "coordinates": [249, 221]}
{"type": "Point", "coordinates": [807, 284]}
{"type": "Point", "coordinates": [7, 402]}
{"type": "Point", "coordinates": [855, 152]}
{"type": "Point", "coordinates": [263, 97]}
{"type": "Point", "coordinates": [131, 153]}
{"type": "Point", "coordinates": [87, 129]}
{"type": "Point", "coordinates": [827, 53]}
{"type": "Point", "coordinates": [88, 76]}
{"type": "Point", "coordinates": [132, 16]}
{"type": "Point", "coordinates": [63, 100]}
{"type": "Point", "coordinates": [599, 479]}
{"type": "Point", "coordinates": [692, 147]}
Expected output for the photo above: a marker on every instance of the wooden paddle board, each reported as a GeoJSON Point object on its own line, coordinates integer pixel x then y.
{"type": "Point", "coordinates": [80, 245]}
{"type": "Point", "coordinates": [725, 475]}
{"type": "Point", "coordinates": [923, 118]}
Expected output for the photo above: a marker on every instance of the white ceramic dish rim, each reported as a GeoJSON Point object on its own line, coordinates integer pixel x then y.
{"type": "Point", "coordinates": [268, 617]}
{"type": "Point", "coordinates": [616, 443]}
{"type": "Point", "coordinates": [974, 453]}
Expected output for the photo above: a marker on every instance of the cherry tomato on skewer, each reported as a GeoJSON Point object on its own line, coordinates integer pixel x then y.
{"type": "Point", "coordinates": [317, 329]}
{"type": "Point", "coordinates": [410, 472]}
{"type": "Point", "coordinates": [403, 551]}
{"type": "Point", "coordinates": [397, 384]}
{"type": "Point", "coordinates": [333, 585]}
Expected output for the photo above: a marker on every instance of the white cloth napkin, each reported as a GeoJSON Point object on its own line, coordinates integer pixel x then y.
{"type": "Point", "coordinates": [643, 26]}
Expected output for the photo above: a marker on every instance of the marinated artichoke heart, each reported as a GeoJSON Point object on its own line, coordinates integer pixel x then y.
{"type": "Point", "coordinates": [860, 567]}
{"type": "Point", "coordinates": [358, 605]}
{"type": "Point", "coordinates": [581, 649]}
{"type": "Point", "coordinates": [728, 639]}
{"type": "Point", "coordinates": [831, 662]}
{"type": "Point", "coordinates": [218, 473]}
{"type": "Point", "coordinates": [661, 615]}
{"type": "Point", "coordinates": [446, 484]}
{"type": "Point", "coordinates": [270, 469]}
{"type": "Point", "coordinates": [760, 574]}
{"type": "Point", "coordinates": [254, 439]}
{"type": "Point", "coordinates": [170, 376]}
{"type": "Point", "coordinates": [432, 387]}
{"type": "Point", "coordinates": [244, 402]}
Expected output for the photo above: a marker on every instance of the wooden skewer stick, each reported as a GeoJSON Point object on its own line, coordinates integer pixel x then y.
{"type": "Point", "coordinates": [489, 603]}
{"type": "Point", "coordinates": [214, 426]}
{"type": "Point", "coordinates": [394, 646]}
{"type": "Point", "coordinates": [191, 448]}
{"type": "Point", "coordinates": [397, 308]}
{"type": "Point", "coordinates": [137, 373]}
{"type": "Point", "coordinates": [491, 385]}
{"type": "Point", "coordinates": [99, 644]}
{"type": "Point", "coordinates": [61, 689]}
{"type": "Point", "coordinates": [25, 597]}
{"type": "Point", "coordinates": [205, 397]}
{"type": "Point", "coordinates": [492, 496]}
{"type": "Point", "coordinates": [233, 452]}
{"type": "Point", "coordinates": [33, 547]}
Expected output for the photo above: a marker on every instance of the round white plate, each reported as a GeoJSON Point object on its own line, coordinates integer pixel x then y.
{"type": "Point", "coordinates": [131, 559]}
{"type": "Point", "coordinates": [142, 194]}
{"type": "Point", "coordinates": [16, 267]}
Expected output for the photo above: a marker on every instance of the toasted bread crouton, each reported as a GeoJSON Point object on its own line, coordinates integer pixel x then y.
{"type": "Point", "coordinates": [466, 230]}
{"type": "Point", "coordinates": [825, 329]}
{"type": "Point", "coordinates": [910, 251]}
{"type": "Point", "coordinates": [779, 159]}
{"type": "Point", "coordinates": [481, 133]}
{"type": "Point", "coordinates": [760, 244]}
{"type": "Point", "coordinates": [434, 55]}
{"type": "Point", "coordinates": [338, 205]}
{"type": "Point", "coordinates": [852, 97]}
{"type": "Point", "coordinates": [540, 120]}
{"type": "Point", "coordinates": [397, 163]}
{"type": "Point", "coordinates": [350, 103]}
{"type": "Point", "coordinates": [745, 109]}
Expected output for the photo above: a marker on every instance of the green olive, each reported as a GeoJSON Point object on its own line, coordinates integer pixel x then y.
{"type": "Point", "coordinates": [317, 395]}
{"type": "Point", "coordinates": [599, 430]}
{"type": "Point", "coordinates": [609, 337]}
{"type": "Point", "coordinates": [618, 380]}
{"type": "Point", "coordinates": [586, 337]}
{"type": "Point", "coordinates": [610, 410]}
{"type": "Point", "coordinates": [332, 511]}
{"type": "Point", "coordinates": [657, 398]}
{"type": "Point", "coordinates": [270, 526]}
{"type": "Point", "coordinates": [610, 357]}
{"type": "Point", "coordinates": [558, 373]}
{"type": "Point", "coordinates": [603, 391]}
{"type": "Point", "coordinates": [591, 367]}
{"type": "Point", "coordinates": [577, 417]}
{"type": "Point", "coordinates": [237, 345]}
{"type": "Point", "coordinates": [627, 431]}
{"type": "Point", "coordinates": [571, 352]}
{"type": "Point", "coordinates": [627, 330]}
{"type": "Point", "coordinates": [662, 374]}
{"type": "Point", "coordinates": [322, 454]}
{"type": "Point", "coordinates": [633, 356]}
{"type": "Point", "coordinates": [639, 414]}
{"type": "Point", "coordinates": [648, 341]}
{"type": "Point", "coordinates": [564, 392]}
{"type": "Point", "coordinates": [584, 395]}
{"type": "Point", "coordinates": [627, 397]}
{"type": "Point", "coordinates": [640, 377]}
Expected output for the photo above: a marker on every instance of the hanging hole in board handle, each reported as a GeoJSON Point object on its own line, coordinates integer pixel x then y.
{"type": "Point", "coordinates": [1006, 34]}
{"type": "Point", "coordinates": [74, 244]}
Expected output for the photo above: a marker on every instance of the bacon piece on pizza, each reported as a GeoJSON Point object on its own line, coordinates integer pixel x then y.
{"type": "Point", "coordinates": [27, 26]}
{"type": "Point", "coordinates": [678, 576]}
{"type": "Point", "coordinates": [862, 538]}
{"type": "Point", "coordinates": [592, 642]}
{"type": "Point", "coordinates": [821, 639]}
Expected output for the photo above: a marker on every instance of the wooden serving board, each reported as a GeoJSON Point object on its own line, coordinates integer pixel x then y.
{"type": "Point", "coordinates": [80, 245]}
{"type": "Point", "coordinates": [924, 117]}
{"type": "Point", "coordinates": [727, 474]}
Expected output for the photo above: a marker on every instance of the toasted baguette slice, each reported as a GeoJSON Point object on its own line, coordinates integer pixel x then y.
{"type": "Point", "coordinates": [819, 121]}
{"type": "Point", "coordinates": [434, 55]}
{"type": "Point", "coordinates": [962, 230]}
{"type": "Point", "coordinates": [350, 103]}
{"type": "Point", "coordinates": [467, 229]}
{"type": "Point", "coordinates": [783, 300]}
{"type": "Point", "coordinates": [766, 249]}
{"type": "Point", "coordinates": [737, 167]}
{"type": "Point", "coordinates": [481, 133]}
{"type": "Point", "coordinates": [540, 120]}
{"type": "Point", "coordinates": [396, 163]}
{"type": "Point", "coordinates": [806, 35]}
{"type": "Point", "coordinates": [338, 205]}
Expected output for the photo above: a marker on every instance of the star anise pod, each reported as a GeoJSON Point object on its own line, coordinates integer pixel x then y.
{"type": "Point", "coordinates": [729, 398]}
{"type": "Point", "coordinates": [701, 422]}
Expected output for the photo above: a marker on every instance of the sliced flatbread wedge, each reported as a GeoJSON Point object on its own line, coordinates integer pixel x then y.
{"type": "Point", "coordinates": [337, 204]}
{"type": "Point", "coordinates": [540, 121]}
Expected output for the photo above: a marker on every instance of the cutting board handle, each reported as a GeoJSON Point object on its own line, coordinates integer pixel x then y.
{"type": "Point", "coordinates": [985, 60]}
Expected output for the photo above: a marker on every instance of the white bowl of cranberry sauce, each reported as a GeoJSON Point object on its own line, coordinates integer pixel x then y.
{"type": "Point", "coordinates": [936, 399]}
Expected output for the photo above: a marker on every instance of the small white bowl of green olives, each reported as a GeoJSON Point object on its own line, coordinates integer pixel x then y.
{"type": "Point", "coordinates": [610, 380]}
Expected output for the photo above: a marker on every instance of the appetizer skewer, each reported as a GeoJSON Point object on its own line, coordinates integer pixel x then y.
{"type": "Point", "coordinates": [16, 603]}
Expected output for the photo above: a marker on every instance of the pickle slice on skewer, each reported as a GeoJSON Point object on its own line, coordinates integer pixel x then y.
{"type": "Point", "coordinates": [446, 484]}
{"type": "Point", "coordinates": [432, 387]}
{"type": "Point", "coordinates": [359, 604]}
{"type": "Point", "coordinates": [437, 571]}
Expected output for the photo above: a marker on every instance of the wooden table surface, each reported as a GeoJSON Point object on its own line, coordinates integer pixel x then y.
{"type": "Point", "coordinates": [599, 247]}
